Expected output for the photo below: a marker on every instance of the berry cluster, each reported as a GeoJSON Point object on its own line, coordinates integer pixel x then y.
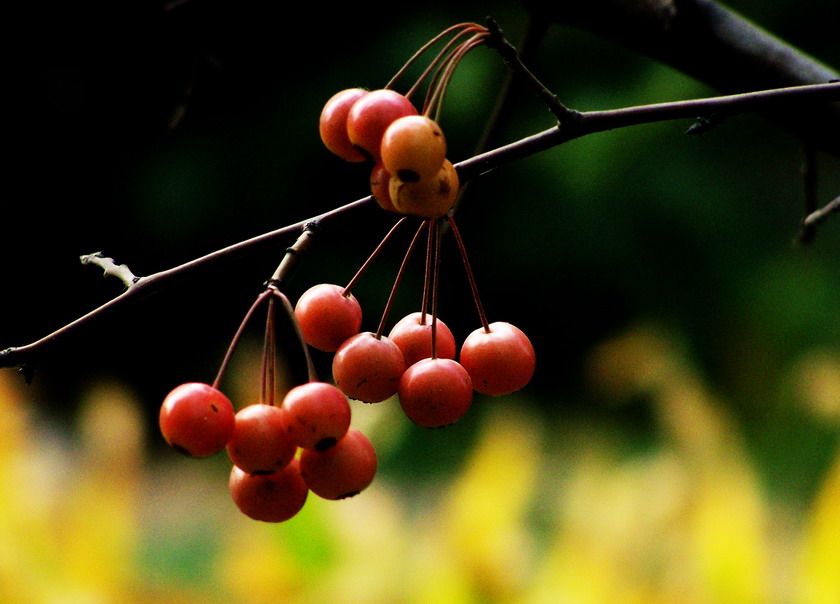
{"type": "Point", "coordinates": [410, 174]}
{"type": "Point", "coordinates": [279, 452]}
{"type": "Point", "coordinates": [306, 443]}
{"type": "Point", "coordinates": [416, 360]}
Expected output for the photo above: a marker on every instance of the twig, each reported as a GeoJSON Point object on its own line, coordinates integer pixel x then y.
{"type": "Point", "coordinates": [588, 123]}
{"type": "Point", "coordinates": [816, 217]}
{"type": "Point", "coordinates": [111, 268]}
{"type": "Point", "coordinates": [509, 55]}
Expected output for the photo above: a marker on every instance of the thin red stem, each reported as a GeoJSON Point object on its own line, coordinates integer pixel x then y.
{"type": "Point", "coordinates": [290, 312]}
{"type": "Point", "coordinates": [348, 288]}
{"type": "Point", "coordinates": [237, 336]}
{"type": "Point", "coordinates": [425, 47]}
{"type": "Point", "coordinates": [268, 358]}
{"type": "Point", "coordinates": [435, 284]}
{"type": "Point", "coordinates": [470, 277]}
{"type": "Point", "coordinates": [435, 101]}
{"type": "Point", "coordinates": [389, 303]}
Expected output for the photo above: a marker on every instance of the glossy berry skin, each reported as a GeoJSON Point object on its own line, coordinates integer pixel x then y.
{"type": "Point", "coordinates": [371, 115]}
{"type": "Point", "coordinates": [342, 471]}
{"type": "Point", "coordinates": [260, 443]}
{"type": "Point", "coordinates": [500, 361]}
{"type": "Point", "coordinates": [428, 197]}
{"type": "Point", "coordinates": [196, 419]}
{"type": "Point", "coordinates": [413, 335]}
{"type": "Point", "coordinates": [380, 180]}
{"type": "Point", "coordinates": [274, 497]}
{"type": "Point", "coordinates": [327, 317]}
{"type": "Point", "coordinates": [368, 369]}
{"type": "Point", "coordinates": [435, 392]}
{"type": "Point", "coordinates": [413, 148]}
{"type": "Point", "coordinates": [317, 415]}
{"type": "Point", "coordinates": [333, 124]}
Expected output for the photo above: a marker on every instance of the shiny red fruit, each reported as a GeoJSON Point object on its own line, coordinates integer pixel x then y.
{"type": "Point", "coordinates": [260, 443]}
{"type": "Point", "coordinates": [327, 316]}
{"type": "Point", "coordinates": [413, 335]}
{"type": "Point", "coordinates": [435, 392]}
{"type": "Point", "coordinates": [317, 415]}
{"type": "Point", "coordinates": [499, 361]}
{"type": "Point", "coordinates": [274, 497]}
{"type": "Point", "coordinates": [371, 115]}
{"type": "Point", "coordinates": [333, 124]}
{"type": "Point", "coordinates": [196, 419]}
{"type": "Point", "coordinates": [342, 471]}
{"type": "Point", "coordinates": [368, 368]}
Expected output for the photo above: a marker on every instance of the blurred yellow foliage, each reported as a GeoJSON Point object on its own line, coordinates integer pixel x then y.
{"type": "Point", "coordinates": [535, 514]}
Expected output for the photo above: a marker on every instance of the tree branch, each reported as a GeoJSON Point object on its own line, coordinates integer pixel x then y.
{"type": "Point", "coordinates": [584, 124]}
{"type": "Point", "coordinates": [703, 39]}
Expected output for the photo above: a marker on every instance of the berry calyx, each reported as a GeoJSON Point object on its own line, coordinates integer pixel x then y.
{"type": "Point", "coordinates": [328, 316]}
{"type": "Point", "coordinates": [500, 360]}
{"type": "Point", "coordinates": [317, 415]}
{"type": "Point", "coordinates": [368, 368]}
{"type": "Point", "coordinates": [413, 148]}
{"type": "Point", "coordinates": [274, 497]}
{"type": "Point", "coordinates": [371, 115]}
{"type": "Point", "coordinates": [413, 335]}
{"type": "Point", "coordinates": [260, 443]}
{"type": "Point", "coordinates": [342, 471]}
{"type": "Point", "coordinates": [435, 392]}
{"type": "Point", "coordinates": [333, 124]}
{"type": "Point", "coordinates": [429, 197]}
{"type": "Point", "coordinates": [196, 419]}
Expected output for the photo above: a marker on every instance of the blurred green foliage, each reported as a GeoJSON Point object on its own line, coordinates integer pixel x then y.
{"type": "Point", "coordinates": [678, 443]}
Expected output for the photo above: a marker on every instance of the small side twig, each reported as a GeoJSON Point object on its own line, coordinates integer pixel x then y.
{"type": "Point", "coordinates": [111, 268]}
{"type": "Point", "coordinates": [817, 216]}
{"type": "Point", "coordinates": [507, 51]}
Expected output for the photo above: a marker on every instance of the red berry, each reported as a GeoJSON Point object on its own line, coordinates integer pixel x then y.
{"type": "Point", "coordinates": [368, 368]}
{"type": "Point", "coordinates": [413, 148]}
{"type": "Point", "coordinates": [317, 415]}
{"type": "Point", "coordinates": [342, 471]}
{"type": "Point", "coordinates": [414, 337]}
{"type": "Point", "coordinates": [196, 419]}
{"type": "Point", "coordinates": [272, 497]}
{"type": "Point", "coordinates": [327, 316]}
{"type": "Point", "coordinates": [333, 124]}
{"type": "Point", "coordinates": [371, 115]}
{"type": "Point", "coordinates": [500, 360]}
{"type": "Point", "coordinates": [260, 443]}
{"type": "Point", "coordinates": [428, 197]}
{"type": "Point", "coordinates": [435, 392]}
{"type": "Point", "coordinates": [380, 180]}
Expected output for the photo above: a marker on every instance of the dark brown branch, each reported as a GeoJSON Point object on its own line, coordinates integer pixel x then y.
{"type": "Point", "coordinates": [703, 39]}
{"type": "Point", "coordinates": [599, 121]}
{"type": "Point", "coordinates": [142, 287]}
{"type": "Point", "coordinates": [587, 123]}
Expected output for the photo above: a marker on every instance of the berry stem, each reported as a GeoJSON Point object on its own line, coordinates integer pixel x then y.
{"type": "Point", "coordinates": [390, 302]}
{"type": "Point", "coordinates": [237, 336]}
{"type": "Point", "coordinates": [272, 288]}
{"type": "Point", "coordinates": [470, 277]}
{"type": "Point", "coordinates": [466, 27]}
{"type": "Point", "coordinates": [348, 288]}
{"type": "Point", "coordinates": [435, 284]}
{"type": "Point", "coordinates": [267, 365]}
{"type": "Point", "coordinates": [290, 313]}
{"type": "Point", "coordinates": [444, 73]}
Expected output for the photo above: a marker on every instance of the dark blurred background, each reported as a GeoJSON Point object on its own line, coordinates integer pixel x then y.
{"type": "Point", "coordinates": [158, 133]}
